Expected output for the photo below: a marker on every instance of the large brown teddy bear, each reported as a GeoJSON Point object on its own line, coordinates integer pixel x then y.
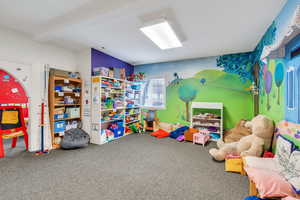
{"type": "Point", "coordinates": [251, 145]}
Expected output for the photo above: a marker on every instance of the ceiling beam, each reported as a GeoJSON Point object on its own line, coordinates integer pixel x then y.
{"type": "Point", "coordinates": [80, 15]}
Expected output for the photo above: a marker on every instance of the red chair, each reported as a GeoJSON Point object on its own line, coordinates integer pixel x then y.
{"type": "Point", "coordinates": [12, 131]}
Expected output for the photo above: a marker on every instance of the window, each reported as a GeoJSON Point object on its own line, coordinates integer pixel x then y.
{"type": "Point", "coordinates": [154, 94]}
{"type": "Point", "coordinates": [291, 88]}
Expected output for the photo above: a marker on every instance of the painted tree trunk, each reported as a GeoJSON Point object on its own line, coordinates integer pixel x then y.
{"type": "Point", "coordinates": [268, 102]}
{"type": "Point", "coordinates": [187, 111]}
{"type": "Point", "coordinates": [278, 96]}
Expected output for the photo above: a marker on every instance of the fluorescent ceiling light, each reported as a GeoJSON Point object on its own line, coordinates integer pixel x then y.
{"type": "Point", "coordinates": [162, 35]}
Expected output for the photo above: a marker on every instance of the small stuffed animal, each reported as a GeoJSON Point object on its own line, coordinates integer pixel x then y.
{"type": "Point", "coordinates": [252, 145]}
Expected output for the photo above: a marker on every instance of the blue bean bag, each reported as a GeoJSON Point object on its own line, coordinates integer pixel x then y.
{"type": "Point", "coordinates": [178, 132]}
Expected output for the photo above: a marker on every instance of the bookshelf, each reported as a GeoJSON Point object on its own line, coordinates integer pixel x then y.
{"type": "Point", "coordinates": [65, 105]}
{"type": "Point", "coordinates": [112, 105]}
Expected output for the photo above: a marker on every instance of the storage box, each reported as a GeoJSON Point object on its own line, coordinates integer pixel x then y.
{"type": "Point", "coordinates": [101, 71]}
{"type": "Point", "coordinates": [73, 112]}
{"type": "Point", "coordinates": [118, 132]}
{"type": "Point", "coordinates": [59, 126]}
{"type": "Point", "coordinates": [58, 88]}
{"type": "Point", "coordinates": [60, 116]}
{"type": "Point", "coordinates": [234, 164]}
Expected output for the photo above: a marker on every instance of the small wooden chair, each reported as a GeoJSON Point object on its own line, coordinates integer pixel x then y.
{"type": "Point", "coordinates": [13, 127]}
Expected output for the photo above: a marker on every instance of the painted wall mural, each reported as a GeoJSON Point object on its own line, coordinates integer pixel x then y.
{"type": "Point", "coordinates": [201, 80]}
{"type": "Point", "coordinates": [274, 59]}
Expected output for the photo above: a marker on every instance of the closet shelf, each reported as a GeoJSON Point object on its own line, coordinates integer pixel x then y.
{"type": "Point", "coordinates": [67, 119]}
{"type": "Point", "coordinates": [62, 105]}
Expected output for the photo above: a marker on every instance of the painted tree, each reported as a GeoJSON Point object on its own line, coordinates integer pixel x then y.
{"type": "Point", "coordinates": [176, 80]}
{"type": "Point", "coordinates": [202, 81]}
{"type": "Point", "coordinates": [279, 75]}
{"type": "Point", "coordinates": [268, 87]}
{"type": "Point", "coordinates": [187, 93]}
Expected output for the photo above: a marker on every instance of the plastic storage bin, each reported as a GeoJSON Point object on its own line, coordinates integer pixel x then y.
{"type": "Point", "coordinates": [73, 112]}
{"type": "Point", "coordinates": [59, 126]}
{"type": "Point", "coordinates": [60, 116]}
{"type": "Point", "coordinates": [118, 132]}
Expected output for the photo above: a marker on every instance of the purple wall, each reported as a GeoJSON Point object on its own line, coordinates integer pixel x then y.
{"type": "Point", "coordinates": [100, 59]}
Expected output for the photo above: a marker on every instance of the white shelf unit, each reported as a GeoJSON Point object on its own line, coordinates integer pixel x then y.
{"type": "Point", "coordinates": [202, 122]}
{"type": "Point", "coordinates": [99, 110]}
{"type": "Point", "coordinates": [133, 111]}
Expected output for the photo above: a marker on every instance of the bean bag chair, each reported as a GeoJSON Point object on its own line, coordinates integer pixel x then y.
{"type": "Point", "coordinates": [75, 138]}
{"type": "Point", "coordinates": [178, 132]}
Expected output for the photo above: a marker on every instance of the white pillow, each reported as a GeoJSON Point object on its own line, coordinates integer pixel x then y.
{"type": "Point", "coordinates": [292, 173]}
{"type": "Point", "coordinates": [284, 148]}
{"type": "Point", "coordinates": [261, 163]}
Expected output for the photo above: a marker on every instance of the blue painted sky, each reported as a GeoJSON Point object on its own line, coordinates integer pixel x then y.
{"type": "Point", "coordinates": [184, 68]}
{"type": "Point", "coordinates": [284, 19]}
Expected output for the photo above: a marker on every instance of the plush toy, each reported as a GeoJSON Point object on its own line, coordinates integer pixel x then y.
{"type": "Point", "coordinates": [236, 133]}
{"type": "Point", "coordinates": [252, 145]}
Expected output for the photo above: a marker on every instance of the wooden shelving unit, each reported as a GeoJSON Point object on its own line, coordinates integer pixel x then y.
{"type": "Point", "coordinates": [57, 101]}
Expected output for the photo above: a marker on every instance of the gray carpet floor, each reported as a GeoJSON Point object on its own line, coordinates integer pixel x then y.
{"type": "Point", "coordinates": [134, 167]}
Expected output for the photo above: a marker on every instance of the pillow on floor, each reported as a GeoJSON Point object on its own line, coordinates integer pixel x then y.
{"type": "Point", "coordinates": [261, 163]}
{"type": "Point", "coordinates": [163, 134]}
{"type": "Point", "coordinates": [292, 172]}
{"type": "Point", "coordinates": [178, 132]}
{"type": "Point", "coordinates": [160, 133]}
{"type": "Point", "coordinates": [269, 183]}
{"type": "Point", "coordinates": [155, 133]}
{"type": "Point", "coordinates": [284, 148]}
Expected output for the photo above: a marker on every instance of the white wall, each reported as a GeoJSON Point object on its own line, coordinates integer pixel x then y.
{"type": "Point", "coordinates": [19, 49]}
{"type": "Point", "coordinates": [85, 70]}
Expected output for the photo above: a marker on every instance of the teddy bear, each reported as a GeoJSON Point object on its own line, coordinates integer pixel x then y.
{"type": "Point", "coordinates": [262, 129]}
{"type": "Point", "coordinates": [236, 133]}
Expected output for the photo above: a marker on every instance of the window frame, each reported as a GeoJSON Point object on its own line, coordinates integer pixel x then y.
{"type": "Point", "coordinates": [291, 70]}
{"type": "Point", "coordinates": [163, 107]}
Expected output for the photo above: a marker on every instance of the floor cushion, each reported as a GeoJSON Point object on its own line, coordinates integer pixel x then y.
{"type": "Point", "coordinates": [292, 172]}
{"type": "Point", "coordinates": [163, 134]}
{"type": "Point", "coordinates": [156, 133]}
{"type": "Point", "coordinates": [188, 134]}
{"type": "Point", "coordinates": [178, 132]}
{"type": "Point", "coordinates": [180, 138]}
{"type": "Point", "coordinates": [269, 183]}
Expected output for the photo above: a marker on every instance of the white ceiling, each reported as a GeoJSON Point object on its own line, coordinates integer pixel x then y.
{"type": "Point", "coordinates": [208, 27]}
